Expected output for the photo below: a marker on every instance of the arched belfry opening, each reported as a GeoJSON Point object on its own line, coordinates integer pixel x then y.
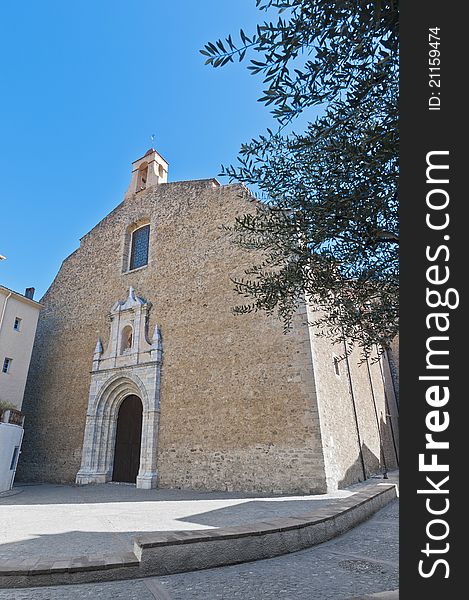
{"type": "Point", "coordinates": [122, 419]}
{"type": "Point", "coordinates": [127, 449]}
{"type": "Point", "coordinates": [142, 176]}
{"type": "Point", "coordinates": [147, 171]}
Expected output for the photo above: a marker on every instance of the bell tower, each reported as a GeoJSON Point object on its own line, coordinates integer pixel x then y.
{"type": "Point", "coordinates": [149, 170]}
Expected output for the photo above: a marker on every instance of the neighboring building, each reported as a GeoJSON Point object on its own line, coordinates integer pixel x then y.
{"type": "Point", "coordinates": [18, 320]}
{"type": "Point", "coordinates": [182, 392]}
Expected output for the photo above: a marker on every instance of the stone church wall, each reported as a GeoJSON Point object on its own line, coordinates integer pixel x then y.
{"type": "Point", "coordinates": [354, 407]}
{"type": "Point", "coordinates": [238, 400]}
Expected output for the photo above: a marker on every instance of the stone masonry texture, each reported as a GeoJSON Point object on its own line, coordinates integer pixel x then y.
{"type": "Point", "coordinates": [243, 405]}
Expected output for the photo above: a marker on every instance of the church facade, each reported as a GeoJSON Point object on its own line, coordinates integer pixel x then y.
{"type": "Point", "coordinates": [141, 373]}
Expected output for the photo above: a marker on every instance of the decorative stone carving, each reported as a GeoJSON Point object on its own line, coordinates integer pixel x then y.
{"type": "Point", "coordinates": [130, 365]}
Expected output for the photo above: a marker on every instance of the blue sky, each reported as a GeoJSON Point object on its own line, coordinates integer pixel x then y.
{"type": "Point", "coordinates": [83, 87]}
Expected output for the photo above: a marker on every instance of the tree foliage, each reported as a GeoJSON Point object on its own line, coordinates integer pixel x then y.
{"type": "Point", "coordinates": [329, 226]}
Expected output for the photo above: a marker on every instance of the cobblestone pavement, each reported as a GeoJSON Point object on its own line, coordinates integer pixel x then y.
{"type": "Point", "coordinates": [62, 521]}
{"type": "Point", "coordinates": [363, 561]}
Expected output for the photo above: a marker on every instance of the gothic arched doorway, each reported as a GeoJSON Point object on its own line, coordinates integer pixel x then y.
{"type": "Point", "coordinates": [128, 440]}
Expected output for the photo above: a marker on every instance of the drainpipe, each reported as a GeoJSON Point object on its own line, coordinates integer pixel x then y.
{"type": "Point", "coordinates": [4, 309]}
{"type": "Point", "coordinates": [352, 395]}
{"type": "Point", "coordinates": [388, 412]}
{"type": "Point", "coordinates": [396, 395]}
{"type": "Point", "coordinates": [385, 474]}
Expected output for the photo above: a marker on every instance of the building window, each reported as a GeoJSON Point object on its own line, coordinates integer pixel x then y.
{"type": "Point", "coordinates": [6, 365]}
{"type": "Point", "coordinates": [17, 324]}
{"type": "Point", "coordinates": [336, 366]}
{"type": "Point", "coordinates": [139, 247]}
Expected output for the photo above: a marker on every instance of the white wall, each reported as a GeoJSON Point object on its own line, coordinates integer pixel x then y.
{"type": "Point", "coordinates": [16, 345]}
{"type": "Point", "coordinates": [10, 436]}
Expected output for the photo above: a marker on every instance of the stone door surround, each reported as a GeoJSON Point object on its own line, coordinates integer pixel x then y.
{"type": "Point", "coordinates": [120, 371]}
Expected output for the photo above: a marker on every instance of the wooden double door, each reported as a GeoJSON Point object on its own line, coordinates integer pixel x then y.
{"type": "Point", "coordinates": [128, 440]}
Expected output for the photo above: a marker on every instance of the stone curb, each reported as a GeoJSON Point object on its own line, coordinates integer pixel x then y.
{"type": "Point", "coordinates": [164, 553]}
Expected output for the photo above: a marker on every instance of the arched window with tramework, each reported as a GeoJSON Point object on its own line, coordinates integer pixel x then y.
{"type": "Point", "coordinates": [139, 247]}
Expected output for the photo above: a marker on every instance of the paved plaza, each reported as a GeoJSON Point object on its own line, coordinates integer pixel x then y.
{"type": "Point", "coordinates": [57, 521]}
{"type": "Point", "coordinates": [361, 562]}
